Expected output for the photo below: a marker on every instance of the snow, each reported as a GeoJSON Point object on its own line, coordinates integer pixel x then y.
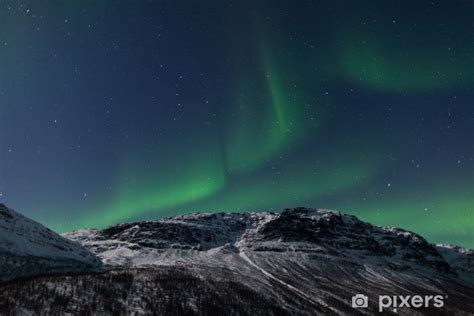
{"type": "Point", "coordinates": [220, 237]}
{"type": "Point", "coordinates": [24, 242]}
{"type": "Point", "coordinates": [244, 256]}
{"type": "Point", "coordinates": [310, 257]}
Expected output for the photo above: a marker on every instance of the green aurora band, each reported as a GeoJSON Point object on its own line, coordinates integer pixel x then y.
{"type": "Point", "coordinates": [297, 184]}
{"type": "Point", "coordinates": [387, 55]}
{"type": "Point", "coordinates": [371, 64]}
{"type": "Point", "coordinates": [424, 215]}
{"type": "Point", "coordinates": [270, 116]}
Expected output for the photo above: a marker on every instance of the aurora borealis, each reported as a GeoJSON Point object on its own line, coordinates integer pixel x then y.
{"type": "Point", "coordinates": [114, 111]}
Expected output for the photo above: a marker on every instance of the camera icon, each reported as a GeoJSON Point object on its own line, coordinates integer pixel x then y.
{"type": "Point", "coordinates": [360, 301]}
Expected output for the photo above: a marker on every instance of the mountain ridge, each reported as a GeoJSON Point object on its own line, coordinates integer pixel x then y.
{"type": "Point", "coordinates": [296, 229]}
{"type": "Point", "coordinates": [302, 261]}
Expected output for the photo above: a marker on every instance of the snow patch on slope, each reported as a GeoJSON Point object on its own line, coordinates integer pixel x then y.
{"type": "Point", "coordinates": [28, 248]}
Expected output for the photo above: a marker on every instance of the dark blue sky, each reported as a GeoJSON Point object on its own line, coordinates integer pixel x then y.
{"type": "Point", "coordinates": [115, 111]}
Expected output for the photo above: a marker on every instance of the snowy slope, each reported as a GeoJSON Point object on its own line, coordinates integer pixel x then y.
{"type": "Point", "coordinates": [27, 248]}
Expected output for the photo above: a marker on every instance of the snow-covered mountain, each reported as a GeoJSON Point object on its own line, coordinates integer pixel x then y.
{"type": "Point", "coordinates": [306, 260]}
{"type": "Point", "coordinates": [298, 262]}
{"type": "Point", "coordinates": [27, 248]}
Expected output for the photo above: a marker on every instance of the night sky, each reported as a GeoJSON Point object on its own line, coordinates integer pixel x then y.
{"type": "Point", "coordinates": [115, 111]}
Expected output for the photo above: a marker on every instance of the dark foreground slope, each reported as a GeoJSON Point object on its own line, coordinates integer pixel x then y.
{"type": "Point", "coordinates": [300, 262]}
{"type": "Point", "coordinates": [137, 291]}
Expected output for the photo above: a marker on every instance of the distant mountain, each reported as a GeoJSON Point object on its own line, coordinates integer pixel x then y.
{"type": "Point", "coordinates": [298, 262]}
{"type": "Point", "coordinates": [27, 248]}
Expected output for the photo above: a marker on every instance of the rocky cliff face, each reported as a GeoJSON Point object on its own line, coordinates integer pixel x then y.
{"type": "Point", "coordinates": [28, 248]}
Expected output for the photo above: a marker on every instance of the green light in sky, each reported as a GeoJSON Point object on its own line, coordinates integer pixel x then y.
{"type": "Point", "coordinates": [185, 170]}
{"type": "Point", "coordinates": [153, 199]}
{"type": "Point", "coordinates": [425, 214]}
{"type": "Point", "coordinates": [298, 184]}
{"type": "Point", "coordinates": [394, 58]}
{"type": "Point", "coordinates": [382, 69]}
{"type": "Point", "coordinates": [271, 116]}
